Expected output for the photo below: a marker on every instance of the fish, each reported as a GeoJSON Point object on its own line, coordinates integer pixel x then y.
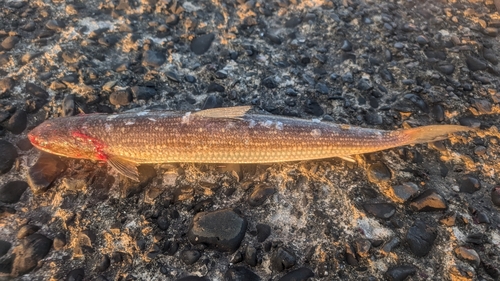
{"type": "Point", "coordinates": [219, 135]}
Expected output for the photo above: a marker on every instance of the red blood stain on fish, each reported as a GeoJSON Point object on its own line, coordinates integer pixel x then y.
{"type": "Point", "coordinates": [98, 145]}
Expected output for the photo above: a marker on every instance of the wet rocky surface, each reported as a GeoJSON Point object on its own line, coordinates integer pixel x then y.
{"type": "Point", "coordinates": [423, 212]}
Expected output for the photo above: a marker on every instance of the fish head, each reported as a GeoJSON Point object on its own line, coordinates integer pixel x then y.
{"type": "Point", "coordinates": [60, 137]}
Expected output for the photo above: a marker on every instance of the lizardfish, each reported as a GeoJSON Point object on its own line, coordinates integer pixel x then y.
{"type": "Point", "coordinates": [221, 135]}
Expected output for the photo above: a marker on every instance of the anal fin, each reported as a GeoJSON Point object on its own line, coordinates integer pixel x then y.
{"type": "Point", "coordinates": [124, 167]}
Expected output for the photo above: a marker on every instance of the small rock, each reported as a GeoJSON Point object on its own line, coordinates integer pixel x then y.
{"type": "Point", "coordinates": [495, 196]}
{"type": "Point", "coordinates": [190, 256]}
{"type": "Point", "coordinates": [154, 59]}
{"type": "Point", "coordinates": [212, 101]}
{"type": "Point", "coordinates": [259, 194]}
{"type": "Point", "coordinates": [6, 84]}
{"type": "Point", "coordinates": [103, 263]}
{"type": "Point", "coordinates": [378, 172]}
{"type": "Point", "coordinates": [240, 273]}
{"type": "Point", "coordinates": [422, 40]}
{"type": "Point", "coordinates": [26, 230]}
{"type": "Point", "coordinates": [420, 238]}
{"type": "Point", "coordinates": [283, 259]}
{"type": "Point", "coordinates": [469, 184]}
{"type": "Point", "coordinates": [300, 274]}
{"type": "Point", "coordinates": [29, 253]}
{"type": "Point", "coordinates": [270, 82]}
{"type": "Point", "coordinates": [475, 64]}
{"type": "Point", "coordinates": [121, 97]}
{"type": "Point", "coordinates": [170, 248]}
{"type": "Point", "coordinates": [389, 246]}
{"type": "Point", "coordinates": [429, 201]}
{"type": "Point", "coordinates": [172, 19]}
{"type": "Point", "coordinates": [172, 76]}
{"type": "Point", "coordinates": [6, 212]}
{"type": "Point", "coordinates": [223, 230]}
{"type": "Point", "coordinates": [263, 231]}
{"type": "Point", "coordinates": [12, 191]}
{"type": "Point", "coordinates": [215, 87]}
{"type": "Point", "coordinates": [470, 122]}
{"type": "Point", "coordinates": [55, 25]}
{"type": "Point", "coordinates": [350, 256]}
{"type": "Point", "coordinates": [59, 241]}
{"type": "Point", "coordinates": [46, 169]}
{"type": "Point", "coordinates": [380, 210]}
{"type": "Point", "coordinates": [9, 42]}
{"type": "Point", "coordinates": [68, 105]}
{"type": "Point", "coordinates": [251, 256]}
{"type": "Point", "coordinates": [143, 93]}
{"type": "Point", "coordinates": [346, 46]}
{"type": "Point", "coordinates": [201, 44]}
{"type": "Point", "coordinates": [400, 272]}
{"type": "Point", "coordinates": [491, 31]}
{"type": "Point", "coordinates": [405, 191]}
{"type": "Point", "coordinates": [373, 118]}
{"type": "Point", "coordinates": [9, 155]}
{"type": "Point", "coordinates": [418, 101]}
{"type": "Point", "coordinates": [163, 222]}
{"type": "Point", "coordinates": [362, 247]}
{"type": "Point", "coordinates": [36, 91]}
{"type": "Point", "coordinates": [75, 275]}
{"type": "Point", "coordinates": [190, 79]}
{"type": "Point", "coordinates": [4, 247]}
{"type": "Point", "coordinates": [17, 122]}
{"type": "Point", "coordinates": [446, 69]}
{"type": "Point", "coordinates": [468, 255]}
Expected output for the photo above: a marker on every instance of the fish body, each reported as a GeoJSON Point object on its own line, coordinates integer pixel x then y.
{"type": "Point", "coordinates": [225, 135]}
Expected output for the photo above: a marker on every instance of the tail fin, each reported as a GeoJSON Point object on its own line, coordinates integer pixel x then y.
{"type": "Point", "coordinates": [432, 133]}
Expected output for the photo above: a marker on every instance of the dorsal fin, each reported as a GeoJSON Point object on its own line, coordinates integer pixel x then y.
{"type": "Point", "coordinates": [224, 112]}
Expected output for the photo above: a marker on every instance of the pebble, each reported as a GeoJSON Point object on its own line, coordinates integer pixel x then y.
{"type": "Point", "coordinates": [259, 194]}
{"type": "Point", "coordinates": [380, 210]}
{"type": "Point", "coordinates": [143, 93]}
{"type": "Point", "coordinates": [422, 40]}
{"type": "Point", "coordinates": [470, 122]}
{"type": "Point", "coordinates": [4, 247]}
{"type": "Point", "coordinates": [429, 201]}
{"type": "Point", "coordinates": [190, 256]}
{"type": "Point", "coordinates": [46, 169]}
{"type": "Point", "coordinates": [163, 222]}
{"type": "Point", "coordinates": [120, 97]}
{"type": "Point", "coordinates": [10, 42]}
{"type": "Point", "coordinates": [350, 256]}
{"type": "Point", "coordinates": [322, 89]}
{"type": "Point", "coordinates": [190, 79]}
{"type": "Point", "coordinates": [270, 82]}
{"type": "Point", "coordinates": [389, 246]}
{"type": "Point", "coordinates": [201, 43]}
{"type": "Point", "coordinates": [404, 191]}
{"type": "Point", "coordinates": [490, 55]}
{"type": "Point", "coordinates": [6, 84]}
{"type": "Point", "coordinates": [240, 273]}
{"type": "Point", "coordinates": [300, 274]}
{"type": "Point", "coordinates": [312, 107]}
{"type": "Point", "coordinates": [152, 58]}
{"type": "Point", "coordinates": [420, 238]}
{"type": "Point", "coordinates": [469, 184]}
{"type": "Point", "coordinates": [495, 196]}
{"type": "Point", "coordinates": [103, 263]}
{"type": "Point", "coordinates": [373, 118]}
{"type": "Point", "coordinates": [55, 25]}
{"type": "Point", "coordinates": [223, 229]}
{"type": "Point", "coordinates": [59, 241]}
{"type": "Point", "coordinates": [491, 31]}
{"type": "Point", "coordinates": [346, 46]}
{"type": "Point", "coordinates": [36, 91]}
{"type": "Point", "coordinates": [438, 112]}
{"type": "Point", "coordinates": [362, 247]}
{"type": "Point", "coordinates": [215, 87]}
{"type": "Point", "coordinates": [446, 69]}
{"type": "Point", "coordinates": [17, 122]}
{"type": "Point", "coordinates": [282, 259]}
{"type": "Point", "coordinates": [468, 255]}
{"type": "Point", "coordinates": [170, 248]}
{"type": "Point", "coordinates": [173, 76]}
{"type": "Point", "coordinates": [9, 155]}
{"type": "Point", "coordinates": [400, 272]}
{"type": "Point", "coordinates": [475, 64]}
{"type": "Point", "coordinates": [212, 101]}
{"type": "Point", "coordinates": [263, 232]}
{"type": "Point", "coordinates": [26, 230]}
{"type": "Point", "coordinates": [379, 172]}
{"type": "Point", "coordinates": [418, 101]}
{"type": "Point", "coordinates": [251, 256]}
{"type": "Point", "coordinates": [12, 191]}
{"type": "Point", "coordinates": [29, 253]}
{"type": "Point", "coordinates": [6, 211]}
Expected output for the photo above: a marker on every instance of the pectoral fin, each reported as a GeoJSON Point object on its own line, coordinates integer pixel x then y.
{"type": "Point", "coordinates": [124, 167]}
{"type": "Point", "coordinates": [347, 158]}
{"type": "Point", "coordinates": [224, 112]}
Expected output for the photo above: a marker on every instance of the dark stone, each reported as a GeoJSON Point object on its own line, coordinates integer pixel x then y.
{"type": "Point", "coordinates": [55, 25]}
{"type": "Point", "coordinates": [59, 241]}
{"type": "Point", "coordinates": [170, 248]}
{"type": "Point", "coordinates": [46, 169]}
{"type": "Point", "coordinates": [120, 97]}
{"type": "Point", "coordinates": [293, 21]}
{"type": "Point", "coordinates": [215, 87]}
{"type": "Point", "coordinates": [143, 93]}
{"type": "Point", "coordinates": [223, 230]}
{"type": "Point", "coordinates": [322, 88]}
{"type": "Point", "coordinates": [405, 191]}
{"type": "Point", "coordinates": [475, 64]}
{"type": "Point", "coordinates": [190, 79]}
{"type": "Point", "coordinates": [270, 82]}
{"type": "Point", "coordinates": [438, 112]}
{"type": "Point", "coordinates": [469, 184]}
{"type": "Point", "coordinates": [17, 122]}
{"type": "Point", "coordinates": [420, 238]}
{"type": "Point", "coordinates": [212, 101]}
{"type": "Point", "coordinates": [387, 75]}
{"type": "Point", "coordinates": [12, 191]}
{"type": "Point", "coordinates": [283, 259]}
{"type": "Point", "coordinates": [495, 196]}
{"type": "Point", "coordinates": [68, 105]}
{"type": "Point", "coordinates": [380, 210]}
{"type": "Point", "coordinates": [6, 84]}
{"type": "Point", "coordinates": [6, 211]}
{"type": "Point", "coordinates": [76, 275]}
{"type": "Point", "coordinates": [429, 201]}
{"type": "Point", "coordinates": [103, 263]}
{"type": "Point", "coordinates": [173, 76]}
{"type": "Point", "coordinates": [468, 255]}
{"type": "Point", "coordinates": [259, 194]}
{"type": "Point", "coordinates": [362, 247]}
{"type": "Point", "coordinates": [163, 222]}
{"type": "Point", "coordinates": [29, 253]}
{"type": "Point", "coordinates": [201, 44]}
{"type": "Point", "coordinates": [36, 91]}
{"type": "Point", "coordinates": [422, 40]}
{"type": "Point", "coordinates": [477, 238]}
{"type": "Point", "coordinates": [418, 101]}
{"type": "Point", "coordinates": [300, 274]}
{"type": "Point", "coordinates": [346, 46]}
{"type": "Point", "coordinates": [373, 119]}
{"type": "Point", "coordinates": [348, 78]}
{"type": "Point", "coordinates": [9, 155]}
{"type": "Point", "coordinates": [312, 107]}
{"type": "Point", "coordinates": [221, 74]}
{"type": "Point", "coordinates": [263, 231]}
{"type": "Point", "coordinates": [190, 256]}
{"type": "Point", "coordinates": [152, 58]}
{"type": "Point", "coordinates": [26, 230]}
{"type": "Point", "coordinates": [4, 247]}
{"type": "Point", "coordinates": [240, 273]}
{"type": "Point", "coordinates": [470, 122]}
{"type": "Point", "coordinates": [400, 272]}
{"type": "Point", "coordinates": [10, 42]}
{"type": "Point", "coordinates": [446, 69]}
{"type": "Point", "coordinates": [379, 172]}
{"type": "Point", "coordinates": [251, 256]}
{"type": "Point", "coordinates": [350, 256]}
{"type": "Point", "coordinates": [488, 54]}
{"type": "Point", "coordinates": [491, 31]}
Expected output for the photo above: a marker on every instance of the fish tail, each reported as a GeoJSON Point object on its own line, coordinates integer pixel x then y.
{"type": "Point", "coordinates": [431, 133]}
